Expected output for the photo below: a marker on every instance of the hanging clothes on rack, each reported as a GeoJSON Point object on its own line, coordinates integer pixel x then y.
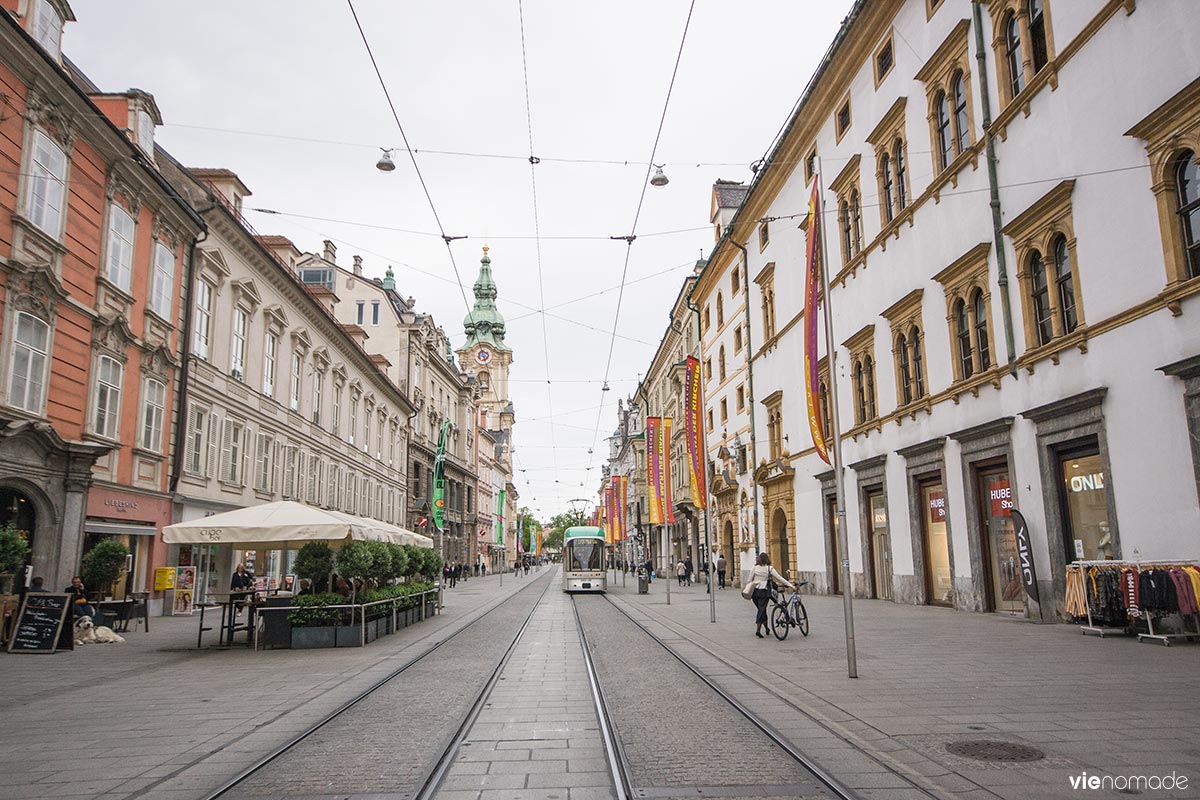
{"type": "Point", "coordinates": [1075, 602]}
{"type": "Point", "coordinates": [1185, 595]}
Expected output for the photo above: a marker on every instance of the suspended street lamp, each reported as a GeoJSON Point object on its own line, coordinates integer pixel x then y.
{"type": "Point", "coordinates": [385, 164]}
{"type": "Point", "coordinates": [659, 178]}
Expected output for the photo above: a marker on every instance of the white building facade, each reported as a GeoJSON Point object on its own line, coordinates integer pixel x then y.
{"type": "Point", "coordinates": [1046, 359]}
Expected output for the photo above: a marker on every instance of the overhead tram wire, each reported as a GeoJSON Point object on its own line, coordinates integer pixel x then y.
{"type": "Point", "coordinates": [412, 157]}
{"type": "Point", "coordinates": [637, 215]}
{"type": "Point", "coordinates": [537, 233]}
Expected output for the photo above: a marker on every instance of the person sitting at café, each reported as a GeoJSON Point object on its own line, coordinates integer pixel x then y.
{"type": "Point", "coordinates": [38, 584]}
{"type": "Point", "coordinates": [306, 587]}
{"type": "Point", "coordinates": [79, 599]}
{"type": "Point", "coordinates": [241, 581]}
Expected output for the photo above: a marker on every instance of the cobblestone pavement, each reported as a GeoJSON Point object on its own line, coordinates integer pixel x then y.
{"type": "Point", "coordinates": [677, 734]}
{"type": "Point", "coordinates": [152, 718]}
{"type": "Point", "coordinates": [931, 676]}
{"type": "Point", "coordinates": [388, 742]}
{"type": "Point", "coordinates": [538, 737]}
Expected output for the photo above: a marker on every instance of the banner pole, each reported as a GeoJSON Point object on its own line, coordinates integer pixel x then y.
{"type": "Point", "coordinates": [839, 479]}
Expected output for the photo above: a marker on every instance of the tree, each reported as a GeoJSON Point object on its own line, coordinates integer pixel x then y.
{"type": "Point", "coordinates": [354, 560]}
{"type": "Point", "coordinates": [102, 564]}
{"type": "Point", "coordinates": [14, 550]}
{"type": "Point", "coordinates": [314, 561]}
{"type": "Point", "coordinates": [380, 570]}
{"type": "Point", "coordinates": [400, 559]}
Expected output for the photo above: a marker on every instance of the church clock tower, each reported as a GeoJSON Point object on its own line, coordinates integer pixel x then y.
{"type": "Point", "coordinates": [485, 355]}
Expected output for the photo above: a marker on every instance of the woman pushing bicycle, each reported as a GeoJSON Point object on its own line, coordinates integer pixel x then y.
{"type": "Point", "coordinates": [760, 576]}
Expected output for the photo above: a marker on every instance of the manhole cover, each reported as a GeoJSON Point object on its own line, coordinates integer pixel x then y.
{"type": "Point", "coordinates": [990, 750]}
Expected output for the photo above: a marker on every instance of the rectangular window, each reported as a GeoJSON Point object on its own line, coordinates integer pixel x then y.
{"type": "Point", "coordinates": [47, 185]}
{"type": "Point", "coordinates": [270, 351]}
{"type": "Point", "coordinates": [321, 276]}
{"type": "Point", "coordinates": [318, 385]}
{"type": "Point", "coordinates": [162, 288]}
{"type": "Point", "coordinates": [337, 411]}
{"type": "Point", "coordinates": [375, 312]}
{"type": "Point", "coordinates": [237, 355]}
{"type": "Point", "coordinates": [30, 357]}
{"type": "Point", "coordinates": [202, 335]}
{"type": "Point", "coordinates": [120, 247]}
{"type": "Point", "coordinates": [379, 437]}
{"type": "Point", "coordinates": [741, 398]}
{"type": "Point", "coordinates": [353, 418]}
{"type": "Point", "coordinates": [314, 465]}
{"type": "Point", "coordinates": [361, 306]}
{"type": "Point", "coordinates": [724, 410]}
{"type": "Point", "coordinates": [297, 363]}
{"type": "Point", "coordinates": [392, 446]}
{"type": "Point", "coordinates": [843, 119]}
{"type": "Point", "coordinates": [193, 462]}
{"type": "Point", "coordinates": [764, 236]}
{"type": "Point", "coordinates": [262, 463]}
{"type": "Point", "coordinates": [108, 397]}
{"type": "Point", "coordinates": [47, 28]}
{"type": "Point", "coordinates": [153, 414]}
{"type": "Point", "coordinates": [231, 451]}
{"type": "Point", "coordinates": [884, 58]}
{"type": "Point", "coordinates": [366, 439]}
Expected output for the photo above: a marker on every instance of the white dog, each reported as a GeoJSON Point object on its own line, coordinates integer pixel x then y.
{"type": "Point", "coordinates": [88, 633]}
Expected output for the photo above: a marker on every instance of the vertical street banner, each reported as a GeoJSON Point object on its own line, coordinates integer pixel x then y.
{"type": "Point", "coordinates": [665, 458]}
{"type": "Point", "coordinates": [520, 535]}
{"type": "Point", "coordinates": [1025, 556]}
{"type": "Point", "coordinates": [695, 433]}
{"type": "Point", "coordinates": [608, 504]}
{"type": "Point", "coordinates": [500, 517]}
{"type": "Point", "coordinates": [438, 505]}
{"type": "Point", "coordinates": [654, 469]}
{"type": "Point", "coordinates": [812, 389]}
{"type": "Point", "coordinates": [622, 507]}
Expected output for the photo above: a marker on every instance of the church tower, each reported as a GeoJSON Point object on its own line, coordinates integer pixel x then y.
{"type": "Point", "coordinates": [485, 355]}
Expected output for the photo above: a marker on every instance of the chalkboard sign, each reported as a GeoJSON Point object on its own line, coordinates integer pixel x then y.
{"type": "Point", "coordinates": [39, 623]}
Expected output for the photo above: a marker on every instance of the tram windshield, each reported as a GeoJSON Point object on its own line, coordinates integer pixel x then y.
{"type": "Point", "coordinates": [584, 554]}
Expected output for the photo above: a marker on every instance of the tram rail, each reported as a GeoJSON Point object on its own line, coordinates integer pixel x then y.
{"type": "Point", "coordinates": [821, 774]}
{"type": "Point", "coordinates": [436, 771]}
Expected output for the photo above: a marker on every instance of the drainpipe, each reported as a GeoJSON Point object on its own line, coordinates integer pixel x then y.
{"type": "Point", "coordinates": [758, 543]}
{"type": "Point", "coordinates": [994, 189]}
{"type": "Point", "coordinates": [180, 444]}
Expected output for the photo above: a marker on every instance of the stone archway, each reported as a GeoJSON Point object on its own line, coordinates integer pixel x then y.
{"type": "Point", "coordinates": [777, 543]}
{"type": "Point", "coordinates": [726, 548]}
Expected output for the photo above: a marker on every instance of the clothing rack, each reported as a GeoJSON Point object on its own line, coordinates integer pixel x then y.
{"type": "Point", "coordinates": [1101, 630]}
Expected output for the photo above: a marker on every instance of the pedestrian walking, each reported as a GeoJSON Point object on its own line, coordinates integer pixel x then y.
{"type": "Point", "coordinates": [722, 565]}
{"type": "Point", "coordinates": [681, 572]}
{"type": "Point", "coordinates": [687, 571]}
{"type": "Point", "coordinates": [759, 584]}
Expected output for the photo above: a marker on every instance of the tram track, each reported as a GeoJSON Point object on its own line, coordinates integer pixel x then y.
{"type": "Point", "coordinates": [634, 781]}
{"type": "Point", "coordinates": [426, 785]}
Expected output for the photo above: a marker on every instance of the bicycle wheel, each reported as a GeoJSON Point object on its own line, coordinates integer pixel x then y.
{"type": "Point", "coordinates": [780, 622]}
{"type": "Point", "coordinates": [802, 618]}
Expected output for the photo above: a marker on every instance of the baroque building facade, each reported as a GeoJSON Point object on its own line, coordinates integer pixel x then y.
{"type": "Point", "coordinates": [995, 351]}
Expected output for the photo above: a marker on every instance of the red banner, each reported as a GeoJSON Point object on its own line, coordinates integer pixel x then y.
{"type": "Point", "coordinates": [695, 432]}
{"type": "Point", "coordinates": [654, 471]}
{"type": "Point", "coordinates": [622, 507]}
{"type": "Point", "coordinates": [668, 498]}
{"type": "Point", "coordinates": [812, 389]}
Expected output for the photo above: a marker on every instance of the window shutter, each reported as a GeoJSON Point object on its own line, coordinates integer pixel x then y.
{"type": "Point", "coordinates": [210, 468]}
{"type": "Point", "coordinates": [195, 425]}
{"type": "Point", "coordinates": [301, 476]}
{"type": "Point", "coordinates": [274, 478]}
{"type": "Point", "coordinates": [226, 450]}
{"type": "Point", "coordinates": [245, 455]}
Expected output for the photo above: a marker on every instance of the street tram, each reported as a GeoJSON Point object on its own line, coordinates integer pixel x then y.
{"type": "Point", "coordinates": [583, 560]}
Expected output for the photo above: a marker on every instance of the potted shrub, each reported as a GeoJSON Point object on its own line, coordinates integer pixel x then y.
{"type": "Point", "coordinates": [354, 560]}
{"type": "Point", "coordinates": [314, 562]}
{"type": "Point", "coordinates": [101, 566]}
{"type": "Point", "coordinates": [313, 625]}
{"type": "Point", "coordinates": [14, 551]}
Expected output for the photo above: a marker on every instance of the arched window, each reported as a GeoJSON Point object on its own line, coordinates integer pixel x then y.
{"type": "Point", "coordinates": [901, 177]}
{"type": "Point", "coordinates": [981, 330]}
{"type": "Point", "coordinates": [844, 217]}
{"type": "Point", "coordinates": [1012, 55]}
{"type": "Point", "coordinates": [1037, 35]}
{"type": "Point", "coordinates": [906, 395]}
{"type": "Point", "coordinates": [1042, 312]}
{"type": "Point", "coordinates": [962, 328]}
{"type": "Point", "coordinates": [885, 176]}
{"type": "Point", "coordinates": [962, 125]}
{"type": "Point", "coordinates": [941, 113]}
{"type": "Point", "coordinates": [720, 310]}
{"type": "Point", "coordinates": [918, 367]}
{"type": "Point", "coordinates": [1066, 284]}
{"type": "Point", "coordinates": [30, 357]}
{"type": "Point", "coordinates": [826, 419]}
{"type": "Point", "coordinates": [1187, 194]}
{"type": "Point", "coordinates": [721, 362]}
{"type": "Point", "coordinates": [869, 371]}
{"type": "Point", "coordinates": [856, 212]}
{"type": "Point", "coordinates": [860, 392]}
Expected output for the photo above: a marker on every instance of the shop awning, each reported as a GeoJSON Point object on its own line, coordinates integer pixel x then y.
{"type": "Point", "coordinates": [118, 528]}
{"type": "Point", "coordinates": [270, 525]}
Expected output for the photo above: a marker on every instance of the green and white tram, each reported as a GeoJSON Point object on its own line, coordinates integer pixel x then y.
{"type": "Point", "coordinates": [583, 560]}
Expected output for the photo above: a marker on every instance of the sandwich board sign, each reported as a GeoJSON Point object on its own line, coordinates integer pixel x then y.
{"type": "Point", "coordinates": [40, 623]}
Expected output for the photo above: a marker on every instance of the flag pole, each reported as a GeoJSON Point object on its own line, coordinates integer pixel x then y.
{"type": "Point", "coordinates": [839, 479]}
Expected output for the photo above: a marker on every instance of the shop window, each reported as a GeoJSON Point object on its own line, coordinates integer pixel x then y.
{"type": "Point", "coordinates": [1084, 498]}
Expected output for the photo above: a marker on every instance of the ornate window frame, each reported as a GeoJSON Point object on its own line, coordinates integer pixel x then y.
{"type": "Point", "coordinates": [904, 317]}
{"type": "Point", "coordinates": [1036, 229]}
{"type": "Point", "coordinates": [1032, 80]}
{"type": "Point", "coordinates": [951, 58]}
{"type": "Point", "coordinates": [891, 173]}
{"type": "Point", "coordinates": [861, 347]}
{"type": "Point", "coordinates": [961, 280]}
{"type": "Point", "coordinates": [849, 218]}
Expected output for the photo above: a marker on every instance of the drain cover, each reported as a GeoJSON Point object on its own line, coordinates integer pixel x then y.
{"type": "Point", "coordinates": [991, 750]}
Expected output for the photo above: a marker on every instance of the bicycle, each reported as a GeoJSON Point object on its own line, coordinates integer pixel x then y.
{"type": "Point", "coordinates": [790, 613]}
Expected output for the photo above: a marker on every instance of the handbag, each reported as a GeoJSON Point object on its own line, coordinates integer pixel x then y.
{"type": "Point", "coordinates": [748, 590]}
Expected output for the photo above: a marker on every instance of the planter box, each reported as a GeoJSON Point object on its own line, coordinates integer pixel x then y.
{"type": "Point", "coordinates": [305, 638]}
{"type": "Point", "coordinates": [348, 636]}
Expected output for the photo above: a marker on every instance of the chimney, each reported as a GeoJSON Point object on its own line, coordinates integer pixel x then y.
{"type": "Point", "coordinates": [330, 253]}
{"type": "Point", "coordinates": [358, 265]}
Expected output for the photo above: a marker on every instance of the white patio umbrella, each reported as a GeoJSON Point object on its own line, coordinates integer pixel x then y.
{"type": "Point", "coordinates": [274, 526]}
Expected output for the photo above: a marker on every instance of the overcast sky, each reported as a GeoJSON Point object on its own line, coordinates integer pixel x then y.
{"type": "Point", "coordinates": [242, 85]}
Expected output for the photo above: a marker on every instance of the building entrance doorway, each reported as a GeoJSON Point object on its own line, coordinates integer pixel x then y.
{"type": "Point", "coordinates": [999, 545]}
{"type": "Point", "coordinates": [939, 583]}
{"type": "Point", "coordinates": [778, 549]}
{"type": "Point", "coordinates": [880, 545]}
{"type": "Point", "coordinates": [835, 546]}
{"type": "Point", "coordinates": [726, 549]}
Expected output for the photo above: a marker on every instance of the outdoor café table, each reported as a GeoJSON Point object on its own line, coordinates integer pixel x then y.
{"type": "Point", "coordinates": [228, 601]}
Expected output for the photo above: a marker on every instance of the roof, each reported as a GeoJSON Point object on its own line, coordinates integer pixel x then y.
{"type": "Point", "coordinates": [484, 324]}
{"type": "Point", "coordinates": [730, 194]}
{"type": "Point", "coordinates": [274, 240]}
{"type": "Point", "coordinates": [218, 174]}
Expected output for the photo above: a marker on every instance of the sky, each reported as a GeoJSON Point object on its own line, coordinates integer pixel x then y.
{"type": "Point", "coordinates": [283, 92]}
